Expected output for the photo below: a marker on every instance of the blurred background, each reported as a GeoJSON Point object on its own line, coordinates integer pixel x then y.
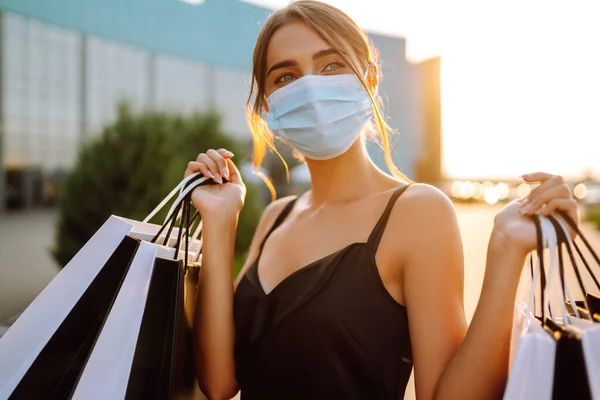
{"type": "Point", "coordinates": [102, 103]}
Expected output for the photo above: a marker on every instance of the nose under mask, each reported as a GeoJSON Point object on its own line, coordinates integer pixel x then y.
{"type": "Point", "coordinates": [321, 116]}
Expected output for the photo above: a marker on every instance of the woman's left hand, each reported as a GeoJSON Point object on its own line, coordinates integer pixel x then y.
{"type": "Point", "coordinates": [514, 222]}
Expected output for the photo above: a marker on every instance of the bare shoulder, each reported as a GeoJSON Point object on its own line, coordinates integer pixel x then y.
{"type": "Point", "coordinates": [422, 208]}
{"type": "Point", "coordinates": [423, 235]}
{"type": "Point", "coordinates": [422, 195]}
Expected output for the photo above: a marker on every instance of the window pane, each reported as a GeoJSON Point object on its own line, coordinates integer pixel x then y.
{"type": "Point", "coordinates": [181, 85]}
{"type": "Point", "coordinates": [15, 101]}
{"type": "Point", "coordinates": [231, 89]}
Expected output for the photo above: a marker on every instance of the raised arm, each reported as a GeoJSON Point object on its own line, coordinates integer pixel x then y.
{"type": "Point", "coordinates": [219, 206]}
{"type": "Point", "coordinates": [214, 331]}
{"type": "Point", "coordinates": [450, 361]}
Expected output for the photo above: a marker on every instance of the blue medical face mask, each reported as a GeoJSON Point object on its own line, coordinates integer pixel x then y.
{"type": "Point", "coordinates": [321, 116]}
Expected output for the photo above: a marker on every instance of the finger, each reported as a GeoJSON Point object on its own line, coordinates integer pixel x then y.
{"type": "Point", "coordinates": [567, 205]}
{"type": "Point", "coordinates": [195, 166]}
{"type": "Point", "coordinates": [234, 173]}
{"type": "Point", "coordinates": [536, 177]}
{"type": "Point", "coordinates": [556, 192]}
{"type": "Point", "coordinates": [225, 153]}
{"type": "Point", "coordinates": [220, 161]}
{"type": "Point", "coordinates": [213, 168]}
{"type": "Point", "coordinates": [554, 180]}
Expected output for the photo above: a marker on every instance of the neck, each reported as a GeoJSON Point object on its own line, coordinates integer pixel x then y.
{"type": "Point", "coordinates": [344, 178]}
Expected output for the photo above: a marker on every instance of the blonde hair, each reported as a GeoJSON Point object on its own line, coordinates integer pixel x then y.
{"type": "Point", "coordinates": [342, 34]}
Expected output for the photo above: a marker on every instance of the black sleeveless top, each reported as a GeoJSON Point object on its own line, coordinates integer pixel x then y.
{"type": "Point", "coordinates": [330, 330]}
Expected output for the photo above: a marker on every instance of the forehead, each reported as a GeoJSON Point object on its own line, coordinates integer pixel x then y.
{"type": "Point", "coordinates": [293, 41]}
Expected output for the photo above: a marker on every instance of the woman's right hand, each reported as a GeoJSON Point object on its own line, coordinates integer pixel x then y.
{"type": "Point", "coordinates": [219, 199]}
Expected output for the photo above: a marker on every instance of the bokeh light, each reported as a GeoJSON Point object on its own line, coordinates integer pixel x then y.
{"type": "Point", "coordinates": [491, 195]}
{"type": "Point", "coordinates": [457, 189]}
{"type": "Point", "coordinates": [580, 191]}
{"type": "Point", "coordinates": [503, 190]}
{"type": "Point", "coordinates": [478, 195]}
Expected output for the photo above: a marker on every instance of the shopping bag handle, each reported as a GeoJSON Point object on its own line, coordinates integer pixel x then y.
{"type": "Point", "coordinates": [546, 238]}
{"type": "Point", "coordinates": [177, 206]}
{"type": "Point", "coordinates": [554, 245]}
{"type": "Point", "coordinates": [184, 226]}
{"type": "Point", "coordinates": [573, 225]}
{"type": "Point", "coordinates": [565, 239]}
{"type": "Point", "coordinates": [190, 179]}
{"type": "Point", "coordinates": [180, 210]}
{"type": "Point", "coordinates": [188, 190]}
{"type": "Point", "coordinates": [538, 271]}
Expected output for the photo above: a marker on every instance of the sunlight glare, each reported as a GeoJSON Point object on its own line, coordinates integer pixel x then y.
{"type": "Point", "coordinates": [491, 195]}
{"type": "Point", "coordinates": [521, 99]}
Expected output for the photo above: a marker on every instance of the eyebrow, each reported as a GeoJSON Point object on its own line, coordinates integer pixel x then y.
{"type": "Point", "coordinates": [324, 53]}
{"type": "Point", "coordinates": [292, 63]}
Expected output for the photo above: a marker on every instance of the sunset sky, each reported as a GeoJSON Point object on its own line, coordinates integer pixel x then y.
{"type": "Point", "coordinates": [520, 79]}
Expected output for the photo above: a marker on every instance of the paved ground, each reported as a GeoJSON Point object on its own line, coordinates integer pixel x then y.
{"type": "Point", "coordinates": [26, 266]}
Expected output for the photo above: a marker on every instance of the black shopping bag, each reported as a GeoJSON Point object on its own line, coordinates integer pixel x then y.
{"type": "Point", "coordinates": [43, 352]}
{"type": "Point", "coordinates": [55, 371]}
{"type": "Point", "coordinates": [145, 347]}
{"type": "Point", "coordinates": [577, 333]}
{"type": "Point", "coordinates": [167, 324]}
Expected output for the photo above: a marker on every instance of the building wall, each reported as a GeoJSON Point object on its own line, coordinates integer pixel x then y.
{"type": "Point", "coordinates": [220, 32]}
{"type": "Point", "coordinates": [66, 64]}
{"type": "Point", "coordinates": [60, 86]}
{"type": "Point", "coordinates": [40, 92]}
{"type": "Point", "coordinates": [429, 162]}
{"type": "Point", "coordinates": [399, 105]}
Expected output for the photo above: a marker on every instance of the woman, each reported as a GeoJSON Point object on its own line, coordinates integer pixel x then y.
{"type": "Point", "coordinates": [349, 285]}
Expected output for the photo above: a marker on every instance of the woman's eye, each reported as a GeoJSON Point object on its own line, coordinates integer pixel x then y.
{"type": "Point", "coordinates": [333, 66]}
{"type": "Point", "coordinates": [287, 78]}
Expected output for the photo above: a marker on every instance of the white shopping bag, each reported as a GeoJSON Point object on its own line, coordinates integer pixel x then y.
{"type": "Point", "coordinates": [574, 354]}
{"type": "Point", "coordinates": [23, 342]}
{"type": "Point", "coordinates": [589, 330]}
{"type": "Point", "coordinates": [532, 369]}
{"type": "Point", "coordinates": [532, 348]}
{"type": "Point", "coordinates": [106, 373]}
{"type": "Point", "coordinates": [590, 340]}
{"type": "Point", "coordinates": [24, 347]}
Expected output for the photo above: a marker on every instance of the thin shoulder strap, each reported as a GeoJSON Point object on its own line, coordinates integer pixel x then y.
{"type": "Point", "coordinates": [377, 232]}
{"type": "Point", "coordinates": [280, 218]}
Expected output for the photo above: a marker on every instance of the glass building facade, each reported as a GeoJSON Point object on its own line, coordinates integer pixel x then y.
{"type": "Point", "coordinates": [65, 64]}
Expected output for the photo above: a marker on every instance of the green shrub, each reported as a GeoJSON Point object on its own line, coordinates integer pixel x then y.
{"type": "Point", "coordinates": [594, 218]}
{"type": "Point", "coordinates": [129, 168]}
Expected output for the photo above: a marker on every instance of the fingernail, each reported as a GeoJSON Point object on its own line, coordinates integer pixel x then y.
{"type": "Point", "coordinates": [219, 179]}
{"type": "Point", "coordinates": [211, 176]}
{"type": "Point", "coordinates": [228, 154]}
{"type": "Point", "coordinates": [225, 172]}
